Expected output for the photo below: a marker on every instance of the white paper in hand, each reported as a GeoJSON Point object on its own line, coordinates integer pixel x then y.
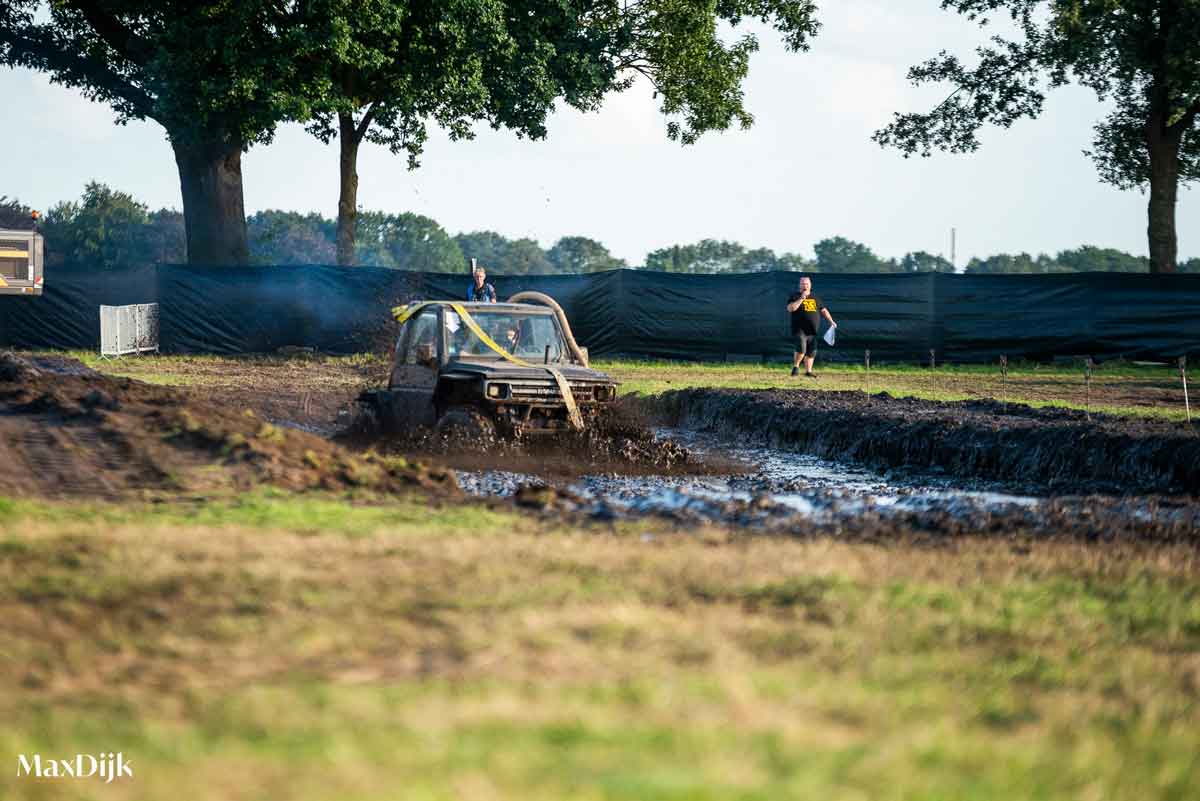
{"type": "Point", "coordinates": [830, 335]}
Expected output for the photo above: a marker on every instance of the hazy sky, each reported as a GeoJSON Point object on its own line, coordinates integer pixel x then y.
{"type": "Point", "coordinates": [805, 171]}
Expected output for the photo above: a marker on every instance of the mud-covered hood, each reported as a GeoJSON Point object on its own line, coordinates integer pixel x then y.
{"type": "Point", "coordinates": [502, 370]}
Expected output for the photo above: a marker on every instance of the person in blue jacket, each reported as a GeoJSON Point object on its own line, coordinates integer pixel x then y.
{"type": "Point", "coordinates": [480, 290]}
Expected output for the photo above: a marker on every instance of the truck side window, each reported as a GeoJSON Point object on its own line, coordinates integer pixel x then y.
{"type": "Point", "coordinates": [422, 331]}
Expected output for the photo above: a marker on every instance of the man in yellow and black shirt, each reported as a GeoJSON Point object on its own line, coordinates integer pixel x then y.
{"type": "Point", "coordinates": [807, 311]}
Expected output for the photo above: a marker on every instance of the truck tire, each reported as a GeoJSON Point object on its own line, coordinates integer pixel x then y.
{"type": "Point", "coordinates": [466, 423]}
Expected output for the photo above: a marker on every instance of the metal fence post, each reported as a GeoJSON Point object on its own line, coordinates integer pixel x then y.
{"type": "Point", "coordinates": [1087, 381]}
{"type": "Point", "coordinates": [1187, 406]}
{"type": "Point", "coordinates": [1003, 383]}
{"type": "Point", "coordinates": [867, 361]}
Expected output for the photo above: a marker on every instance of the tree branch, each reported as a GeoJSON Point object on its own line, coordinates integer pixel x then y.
{"type": "Point", "coordinates": [115, 34]}
{"type": "Point", "coordinates": [33, 52]}
{"type": "Point", "coordinates": [365, 124]}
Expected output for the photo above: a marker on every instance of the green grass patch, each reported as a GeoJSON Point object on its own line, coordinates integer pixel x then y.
{"type": "Point", "coordinates": [268, 509]}
{"type": "Point", "coordinates": [1117, 388]}
{"type": "Point", "coordinates": [311, 647]}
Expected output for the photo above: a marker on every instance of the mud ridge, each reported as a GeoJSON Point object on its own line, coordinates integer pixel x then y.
{"type": "Point", "coordinates": [69, 431]}
{"type": "Point", "coordinates": [1045, 451]}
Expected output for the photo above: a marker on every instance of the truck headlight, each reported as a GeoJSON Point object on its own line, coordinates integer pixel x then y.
{"type": "Point", "coordinates": [497, 390]}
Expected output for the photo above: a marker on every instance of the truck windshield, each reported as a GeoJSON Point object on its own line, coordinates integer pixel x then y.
{"type": "Point", "coordinates": [525, 336]}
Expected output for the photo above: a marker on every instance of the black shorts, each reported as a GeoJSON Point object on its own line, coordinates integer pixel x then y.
{"type": "Point", "coordinates": [805, 344]}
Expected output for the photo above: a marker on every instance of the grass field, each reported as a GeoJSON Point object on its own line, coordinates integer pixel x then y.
{"type": "Point", "coordinates": [315, 648]}
{"type": "Point", "coordinates": [1117, 387]}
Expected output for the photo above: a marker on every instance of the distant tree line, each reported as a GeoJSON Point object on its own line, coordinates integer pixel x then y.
{"type": "Point", "coordinates": [107, 228]}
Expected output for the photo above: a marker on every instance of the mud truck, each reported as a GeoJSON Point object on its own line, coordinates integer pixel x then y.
{"type": "Point", "coordinates": [485, 369]}
{"type": "Point", "coordinates": [21, 257]}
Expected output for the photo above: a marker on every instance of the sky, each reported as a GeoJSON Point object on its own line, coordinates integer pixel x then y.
{"type": "Point", "coordinates": [807, 169]}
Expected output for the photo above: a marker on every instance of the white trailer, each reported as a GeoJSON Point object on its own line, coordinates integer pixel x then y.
{"type": "Point", "coordinates": [22, 254]}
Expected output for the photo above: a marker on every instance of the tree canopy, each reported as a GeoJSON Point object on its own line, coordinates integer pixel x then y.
{"type": "Point", "coordinates": [220, 76]}
{"type": "Point", "coordinates": [840, 255]}
{"type": "Point", "coordinates": [722, 256]}
{"type": "Point", "coordinates": [107, 229]}
{"type": "Point", "coordinates": [500, 254]}
{"type": "Point", "coordinates": [1142, 55]}
{"type": "Point", "coordinates": [395, 67]}
{"type": "Point", "coordinates": [217, 76]}
{"type": "Point", "coordinates": [15, 215]}
{"type": "Point", "coordinates": [289, 237]}
{"type": "Point", "coordinates": [578, 254]}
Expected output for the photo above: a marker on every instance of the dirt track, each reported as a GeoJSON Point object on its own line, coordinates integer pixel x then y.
{"type": "Point", "coordinates": [67, 431]}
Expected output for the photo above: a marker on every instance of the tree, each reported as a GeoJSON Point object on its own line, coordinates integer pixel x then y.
{"type": "Point", "coordinates": [1006, 264]}
{"type": "Point", "coordinates": [395, 65]}
{"type": "Point", "coordinates": [706, 256]}
{"type": "Point", "coordinates": [1086, 258]}
{"type": "Point", "coordinates": [796, 263]}
{"type": "Point", "coordinates": [525, 257]}
{"type": "Point", "coordinates": [1089, 258]}
{"type": "Point", "coordinates": [487, 247]}
{"type": "Point", "coordinates": [507, 256]}
{"type": "Point", "coordinates": [674, 259]}
{"type": "Point", "coordinates": [841, 255]}
{"type": "Point", "coordinates": [578, 254]}
{"type": "Point", "coordinates": [15, 215]}
{"type": "Point", "coordinates": [217, 76]}
{"type": "Point", "coordinates": [288, 237]}
{"type": "Point", "coordinates": [1143, 55]}
{"type": "Point", "coordinates": [758, 260]}
{"type": "Point", "coordinates": [407, 242]}
{"type": "Point", "coordinates": [108, 229]}
{"type": "Point", "coordinates": [166, 236]}
{"type": "Point", "coordinates": [921, 262]}
{"type": "Point", "coordinates": [720, 256]}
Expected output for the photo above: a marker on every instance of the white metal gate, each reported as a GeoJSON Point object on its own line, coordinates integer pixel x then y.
{"type": "Point", "coordinates": [128, 329]}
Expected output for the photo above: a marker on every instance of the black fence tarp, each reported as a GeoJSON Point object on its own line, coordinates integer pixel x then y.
{"type": "Point", "coordinates": [899, 317]}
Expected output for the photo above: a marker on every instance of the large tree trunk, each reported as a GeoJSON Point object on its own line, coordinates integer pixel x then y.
{"type": "Point", "coordinates": [347, 223]}
{"type": "Point", "coordinates": [214, 215]}
{"type": "Point", "coordinates": [1163, 143]}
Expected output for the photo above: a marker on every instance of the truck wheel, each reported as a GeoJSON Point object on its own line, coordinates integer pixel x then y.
{"type": "Point", "coordinates": [365, 416]}
{"type": "Point", "coordinates": [465, 422]}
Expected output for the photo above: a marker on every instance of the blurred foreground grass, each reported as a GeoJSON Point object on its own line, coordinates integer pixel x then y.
{"type": "Point", "coordinates": [319, 648]}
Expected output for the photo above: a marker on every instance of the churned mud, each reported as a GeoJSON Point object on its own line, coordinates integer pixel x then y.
{"type": "Point", "coordinates": [66, 430]}
{"type": "Point", "coordinates": [1040, 451]}
{"type": "Point", "coordinates": [840, 464]}
{"type": "Point", "coordinates": [617, 440]}
{"type": "Point", "coordinates": [784, 492]}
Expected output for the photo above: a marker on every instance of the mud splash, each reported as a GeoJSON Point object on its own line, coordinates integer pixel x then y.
{"type": "Point", "coordinates": [618, 440]}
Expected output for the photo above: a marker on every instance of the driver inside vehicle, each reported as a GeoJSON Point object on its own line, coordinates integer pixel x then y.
{"type": "Point", "coordinates": [512, 336]}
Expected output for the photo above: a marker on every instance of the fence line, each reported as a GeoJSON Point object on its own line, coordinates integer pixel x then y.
{"type": "Point", "coordinates": [899, 317]}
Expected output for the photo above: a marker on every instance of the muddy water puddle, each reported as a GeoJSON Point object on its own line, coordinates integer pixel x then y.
{"type": "Point", "coordinates": [771, 485]}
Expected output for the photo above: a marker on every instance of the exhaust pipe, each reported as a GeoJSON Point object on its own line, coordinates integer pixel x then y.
{"type": "Point", "coordinates": [579, 353]}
